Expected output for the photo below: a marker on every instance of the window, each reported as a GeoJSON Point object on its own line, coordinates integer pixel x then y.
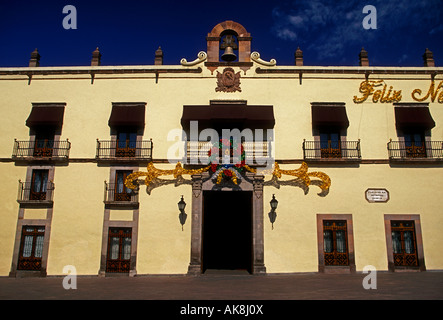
{"type": "Point", "coordinates": [44, 143]}
{"type": "Point", "coordinates": [39, 184]}
{"type": "Point", "coordinates": [119, 250]}
{"type": "Point", "coordinates": [329, 127]}
{"type": "Point", "coordinates": [330, 144]}
{"type": "Point", "coordinates": [31, 248]}
{"type": "Point", "coordinates": [414, 123]}
{"type": "Point", "coordinates": [415, 144]}
{"type": "Point", "coordinates": [127, 122]}
{"type": "Point", "coordinates": [404, 243]}
{"type": "Point", "coordinates": [335, 243]}
{"type": "Point", "coordinates": [126, 143]}
{"type": "Point", "coordinates": [122, 193]}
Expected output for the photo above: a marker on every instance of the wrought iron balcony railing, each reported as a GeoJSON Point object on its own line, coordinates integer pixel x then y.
{"type": "Point", "coordinates": [118, 195]}
{"type": "Point", "coordinates": [408, 150]}
{"type": "Point", "coordinates": [124, 150]}
{"type": "Point", "coordinates": [35, 193]}
{"type": "Point", "coordinates": [331, 150]}
{"type": "Point", "coordinates": [41, 149]}
{"type": "Point", "coordinates": [256, 153]}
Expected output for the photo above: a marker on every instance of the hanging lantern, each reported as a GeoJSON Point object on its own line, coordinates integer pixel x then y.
{"type": "Point", "coordinates": [273, 203]}
{"type": "Point", "coordinates": [181, 204]}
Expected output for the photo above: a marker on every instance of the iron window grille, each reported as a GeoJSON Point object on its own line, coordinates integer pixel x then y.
{"type": "Point", "coordinates": [35, 192]}
{"type": "Point", "coordinates": [331, 149]}
{"type": "Point", "coordinates": [41, 149]}
{"type": "Point", "coordinates": [409, 150]}
{"type": "Point", "coordinates": [119, 250]}
{"type": "Point", "coordinates": [404, 243]}
{"type": "Point", "coordinates": [31, 248]}
{"type": "Point", "coordinates": [335, 243]}
{"type": "Point", "coordinates": [117, 193]}
{"type": "Point", "coordinates": [124, 150]}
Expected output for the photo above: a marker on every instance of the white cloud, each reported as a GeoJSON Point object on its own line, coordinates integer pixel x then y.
{"type": "Point", "coordinates": [286, 34]}
{"type": "Point", "coordinates": [330, 27]}
{"type": "Point", "coordinates": [295, 20]}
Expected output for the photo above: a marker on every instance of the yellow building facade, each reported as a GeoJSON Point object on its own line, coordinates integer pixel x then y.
{"type": "Point", "coordinates": [94, 160]}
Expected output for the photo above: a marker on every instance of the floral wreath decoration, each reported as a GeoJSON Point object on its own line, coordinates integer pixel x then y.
{"type": "Point", "coordinates": [228, 171]}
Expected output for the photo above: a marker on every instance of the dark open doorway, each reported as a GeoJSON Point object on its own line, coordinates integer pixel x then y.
{"type": "Point", "coordinates": [227, 230]}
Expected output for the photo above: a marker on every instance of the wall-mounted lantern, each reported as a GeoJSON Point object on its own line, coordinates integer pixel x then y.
{"type": "Point", "coordinates": [273, 213]}
{"type": "Point", "coordinates": [182, 216]}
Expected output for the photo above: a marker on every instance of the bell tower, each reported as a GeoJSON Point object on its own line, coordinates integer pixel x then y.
{"type": "Point", "coordinates": [228, 42]}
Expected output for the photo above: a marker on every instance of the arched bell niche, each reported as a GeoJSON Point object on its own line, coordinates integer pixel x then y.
{"type": "Point", "coordinates": [229, 34]}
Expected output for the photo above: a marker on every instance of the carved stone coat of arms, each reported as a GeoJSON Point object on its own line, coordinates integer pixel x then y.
{"type": "Point", "coordinates": [228, 81]}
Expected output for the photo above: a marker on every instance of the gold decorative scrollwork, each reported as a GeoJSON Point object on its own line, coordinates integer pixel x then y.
{"type": "Point", "coordinates": [302, 173]}
{"type": "Point", "coordinates": [153, 173]}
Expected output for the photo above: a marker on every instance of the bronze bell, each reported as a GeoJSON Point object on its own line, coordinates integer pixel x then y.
{"type": "Point", "coordinates": [229, 54]}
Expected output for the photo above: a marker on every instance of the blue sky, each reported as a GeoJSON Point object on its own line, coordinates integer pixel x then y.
{"type": "Point", "coordinates": [128, 32]}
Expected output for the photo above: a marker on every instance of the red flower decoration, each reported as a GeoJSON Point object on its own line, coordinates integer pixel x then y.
{"type": "Point", "coordinates": [227, 173]}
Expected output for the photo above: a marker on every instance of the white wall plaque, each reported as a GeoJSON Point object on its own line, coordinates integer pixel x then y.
{"type": "Point", "coordinates": [377, 195]}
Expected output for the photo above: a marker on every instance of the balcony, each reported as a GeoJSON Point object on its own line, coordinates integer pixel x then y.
{"type": "Point", "coordinates": [256, 153]}
{"type": "Point", "coordinates": [413, 151]}
{"type": "Point", "coordinates": [38, 195]}
{"type": "Point", "coordinates": [54, 150]}
{"type": "Point", "coordinates": [117, 195]}
{"type": "Point", "coordinates": [330, 151]}
{"type": "Point", "coordinates": [127, 150]}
